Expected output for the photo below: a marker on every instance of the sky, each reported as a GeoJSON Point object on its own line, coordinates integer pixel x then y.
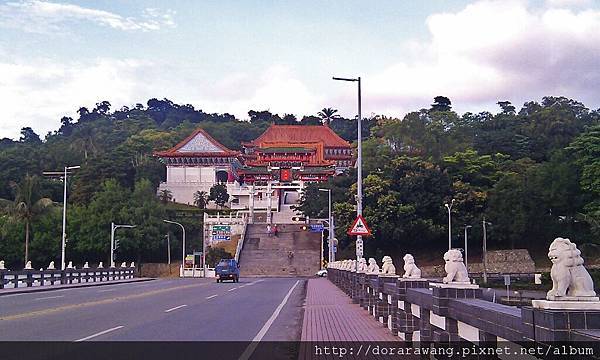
{"type": "Point", "coordinates": [235, 56]}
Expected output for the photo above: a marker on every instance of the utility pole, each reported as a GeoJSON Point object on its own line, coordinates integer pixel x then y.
{"type": "Point", "coordinates": [485, 249]}
{"type": "Point", "coordinates": [466, 246]}
{"type": "Point", "coordinates": [359, 241]}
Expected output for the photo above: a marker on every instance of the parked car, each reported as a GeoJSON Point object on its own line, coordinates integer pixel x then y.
{"type": "Point", "coordinates": [227, 269]}
{"type": "Point", "coordinates": [322, 273]}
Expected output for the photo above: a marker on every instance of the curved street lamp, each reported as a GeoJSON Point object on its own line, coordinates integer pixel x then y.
{"type": "Point", "coordinates": [449, 207]}
{"type": "Point", "coordinates": [183, 242]}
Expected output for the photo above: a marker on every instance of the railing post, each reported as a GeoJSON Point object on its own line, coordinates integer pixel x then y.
{"type": "Point", "coordinates": [2, 279]}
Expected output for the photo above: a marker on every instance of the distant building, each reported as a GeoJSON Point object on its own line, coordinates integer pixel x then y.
{"type": "Point", "coordinates": [267, 175]}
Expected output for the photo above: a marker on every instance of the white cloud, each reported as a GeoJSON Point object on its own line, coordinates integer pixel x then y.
{"type": "Point", "coordinates": [488, 51]}
{"type": "Point", "coordinates": [39, 93]}
{"type": "Point", "coordinates": [42, 17]}
{"type": "Point", "coordinates": [491, 51]}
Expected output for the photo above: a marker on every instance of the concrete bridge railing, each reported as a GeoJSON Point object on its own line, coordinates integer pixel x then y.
{"type": "Point", "coordinates": [418, 310]}
{"type": "Point", "coordinates": [29, 277]}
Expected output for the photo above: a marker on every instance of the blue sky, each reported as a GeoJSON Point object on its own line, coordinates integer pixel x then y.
{"type": "Point", "coordinates": [234, 56]}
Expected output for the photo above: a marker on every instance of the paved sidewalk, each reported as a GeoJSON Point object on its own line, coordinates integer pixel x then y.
{"type": "Point", "coordinates": [68, 286]}
{"type": "Point", "coordinates": [330, 316]}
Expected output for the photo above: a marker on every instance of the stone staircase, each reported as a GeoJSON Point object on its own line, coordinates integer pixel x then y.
{"type": "Point", "coordinates": [293, 252]}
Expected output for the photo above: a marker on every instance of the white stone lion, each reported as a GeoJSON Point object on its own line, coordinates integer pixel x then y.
{"type": "Point", "coordinates": [362, 265]}
{"type": "Point", "coordinates": [2, 265]}
{"type": "Point", "coordinates": [28, 266]}
{"type": "Point", "coordinates": [388, 267]}
{"type": "Point", "coordinates": [373, 267]}
{"type": "Point", "coordinates": [411, 270]}
{"type": "Point", "coordinates": [51, 266]}
{"type": "Point", "coordinates": [456, 272]}
{"type": "Point", "coordinates": [569, 277]}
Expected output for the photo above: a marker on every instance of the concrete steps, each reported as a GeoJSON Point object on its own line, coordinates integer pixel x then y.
{"type": "Point", "coordinates": [293, 252]}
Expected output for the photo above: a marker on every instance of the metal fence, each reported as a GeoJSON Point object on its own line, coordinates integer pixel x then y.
{"type": "Point", "coordinates": [31, 278]}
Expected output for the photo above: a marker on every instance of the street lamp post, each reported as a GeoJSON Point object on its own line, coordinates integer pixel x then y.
{"type": "Point", "coordinates": [449, 207]}
{"type": "Point", "coordinates": [466, 246]}
{"type": "Point", "coordinates": [114, 227]}
{"type": "Point", "coordinates": [358, 163]}
{"type": "Point", "coordinates": [183, 246]}
{"type": "Point", "coordinates": [330, 229]}
{"type": "Point", "coordinates": [168, 237]}
{"type": "Point", "coordinates": [64, 220]}
{"type": "Point", "coordinates": [485, 249]}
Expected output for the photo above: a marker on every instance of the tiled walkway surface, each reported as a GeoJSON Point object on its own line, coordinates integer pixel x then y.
{"type": "Point", "coordinates": [330, 316]}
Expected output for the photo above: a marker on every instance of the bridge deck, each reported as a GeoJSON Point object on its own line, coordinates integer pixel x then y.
{"type": "Point", "coordinates": [331, 316]}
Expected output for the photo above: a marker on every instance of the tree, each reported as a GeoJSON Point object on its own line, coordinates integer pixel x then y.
{"type": "Point", "coordinates": [201, 199]}
{"type": "Point", "coordinates": [328, 114]}
{"type": "Point", "coordinates": [441, 103]}
{"type": "Point", "coordinates": [218, 194]}
{"type": "Point", "coordinates": [29, 136]}
{"type": "Point", "coordinates": [165, 195]}
{"type": "Point", "coordinates": [507, 107]}
{"type": "Point", "coordinates": [27, 206]}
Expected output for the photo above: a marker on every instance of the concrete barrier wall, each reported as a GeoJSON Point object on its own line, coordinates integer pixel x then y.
{"type": "Point", "coordinates": [417, 310]}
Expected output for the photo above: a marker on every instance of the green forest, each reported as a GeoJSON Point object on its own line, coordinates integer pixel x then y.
{"type": "Point", "coordinates": [532, 172]}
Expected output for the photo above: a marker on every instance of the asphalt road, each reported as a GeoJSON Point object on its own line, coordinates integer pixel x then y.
{"type": "Point", "coordinates": [267, 309]}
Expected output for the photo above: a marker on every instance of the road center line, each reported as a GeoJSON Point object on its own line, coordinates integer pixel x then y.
{"type": "Point", "coordinates": [98, 334]}
{"type": "Point", "coordinates": [210, 297]}
{"type": "Point", "coordinates": [232, 289]}
{"type": "Point", "coordinates": [11, 295]}
{"type": "Point", "coordinates": [50, 297]}
{"type": "Point", "coordinates": [250, 349]}
{"type": "Point", "coordinates": [58, 309]}
{"type": "Point", "coordinates": [106, 290]}
{"type": "Point", "coordinates": [175, 308]}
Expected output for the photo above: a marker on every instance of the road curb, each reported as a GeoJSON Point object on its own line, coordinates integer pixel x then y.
{"type": "Point", "coordinates": [24, 290]}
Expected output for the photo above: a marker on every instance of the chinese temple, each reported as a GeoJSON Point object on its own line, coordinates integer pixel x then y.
{"type": "Point", "coordinates": [295, 153]}
{"type": "Point", "coordinates": [269, 172]}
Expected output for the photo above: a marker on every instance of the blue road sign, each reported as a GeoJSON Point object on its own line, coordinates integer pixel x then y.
{"type": "Point", "coordinates": [317, 228]}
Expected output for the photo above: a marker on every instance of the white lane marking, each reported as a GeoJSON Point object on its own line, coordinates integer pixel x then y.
{"type": "Point", "coordinates": [210, 297]}
{"type": "Point", "coordinates": [250, 349]}
{"type": "Point", "coordinates": [232, 289]}
{"type": "Point", "coordinates": [241, 286]}
{"type": "Point", "coordinates": [98, 334]}
{"type": "Point", "coordinates": [175, 308]}
{"type": "Point", "coordinates": [11, 295]}
{"type": "Point", "coordinates": [50, 297]}
{"type": "Point", "coordinates": [106, 290]}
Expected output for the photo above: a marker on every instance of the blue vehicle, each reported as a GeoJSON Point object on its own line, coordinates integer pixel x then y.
{"type": "Point", "coordinates": [227, 269]}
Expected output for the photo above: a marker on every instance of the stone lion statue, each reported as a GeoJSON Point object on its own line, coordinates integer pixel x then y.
{"type": "Point", "coordinates": [411, 270]}
{"type": "Point", "coordinates": [86, 265]}
{"type": "Point", "coordinates": [28, 266]}
{"type": "Point", "coordinates": [352, 265]}
{"type": "Point", "coordinates": [373, 267]}
{"type": "Point", "coordinates": [100, 265]}
{"type": "Point", "coordinates": [455, 268]}
{"type": "Point", "coordinates": [2, 265]}
{"type": "Point", "coordinates": [362, 265]}
{"type": "Point", "coordinates": [569, 277]}
{"type": "Point", "coordinates": [51, 266]}
{"type": "Point", "coordinates": [388, 267]}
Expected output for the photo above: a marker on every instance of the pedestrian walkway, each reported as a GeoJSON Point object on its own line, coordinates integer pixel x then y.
{"type": "Point", "coordinates": [330, 316]}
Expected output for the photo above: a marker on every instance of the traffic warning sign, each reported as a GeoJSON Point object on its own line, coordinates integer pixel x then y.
{"type": "Point", "coordinates": [359, 227]}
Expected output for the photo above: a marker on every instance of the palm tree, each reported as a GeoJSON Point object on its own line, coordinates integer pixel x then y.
{"type": "Point", "coordinates": [27, 206]}
{"type": "Point", "coordinates": [201, 199]}
{"type": "Point", "coordinates": [328, 114]}
{"type": "Point", "coordinates": [165, 195]}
